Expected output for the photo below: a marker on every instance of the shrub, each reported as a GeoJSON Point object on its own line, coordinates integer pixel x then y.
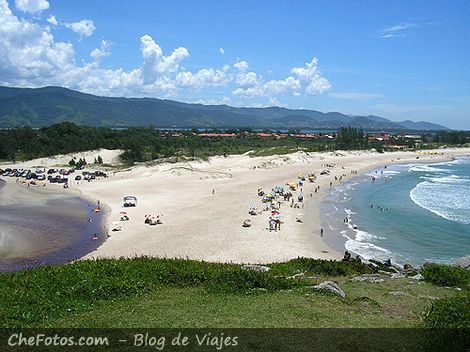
{"type": "Point", "coordinates": [446, 275]}
{"type": "Point", "coordinates": [321, 267]}
{"type": "Point", "coordinates": [450, 313]}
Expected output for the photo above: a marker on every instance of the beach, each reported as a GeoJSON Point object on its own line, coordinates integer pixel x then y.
{"type": "Point", "coordinates": [204, 204]}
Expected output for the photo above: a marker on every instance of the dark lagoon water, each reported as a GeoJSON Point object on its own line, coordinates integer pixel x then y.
{"type": "Point", "coordinates": [411, 213]}
{"type": "Point", "coordinates": [45, 233]}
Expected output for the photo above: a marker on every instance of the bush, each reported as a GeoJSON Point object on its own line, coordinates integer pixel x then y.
{"type": "Point", "coordinates": [321, 267]}
{"type": "Point", "coordinates": [450, 313]}
{"type": "Point", "coordinates": [446, 275]}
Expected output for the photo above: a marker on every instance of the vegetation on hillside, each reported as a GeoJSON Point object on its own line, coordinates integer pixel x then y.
{"type": "Point", "coordinates": [143, 292]}
{"type": "Point", "coordinates": [147, 143]}
{"type": "Point", "coordinates": [42, 107]}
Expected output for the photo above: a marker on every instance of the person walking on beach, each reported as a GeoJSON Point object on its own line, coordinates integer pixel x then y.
{"type": "Point", "coordinates": [321, 232]}
{"type": "Point", "coordinates": [213, 191]}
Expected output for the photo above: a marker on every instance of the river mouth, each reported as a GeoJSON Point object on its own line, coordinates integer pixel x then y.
{"type": "Point", "coordinates": [45, 227]}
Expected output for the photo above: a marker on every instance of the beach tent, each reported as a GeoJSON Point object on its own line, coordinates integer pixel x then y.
{"type": "Point", "coordinates": [116, 226]}
{"type": "Point", "coordinates": [130, 201]}
{"type": "Point", "coordinates": [267, 198]}
{"type": "Point", "coordinates": [156, 219]}
{"type": "Point", "coordinates": [292, 185]}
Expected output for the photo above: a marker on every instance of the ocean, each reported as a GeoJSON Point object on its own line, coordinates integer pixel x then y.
{"type": "Point", "coordinates": [413, 213]}
{"type": "Point", "coordinates": [53, 230]}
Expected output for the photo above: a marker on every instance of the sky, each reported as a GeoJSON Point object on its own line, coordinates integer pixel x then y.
{"type": "Point", "coordinates": [396, 59]}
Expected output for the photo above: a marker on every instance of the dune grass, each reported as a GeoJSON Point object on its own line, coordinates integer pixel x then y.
{"type": "Point", "coordinates": [144, 292]}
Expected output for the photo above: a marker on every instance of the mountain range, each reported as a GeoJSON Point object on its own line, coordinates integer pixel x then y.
{"type": "Point", "coordinates": [38, 107]}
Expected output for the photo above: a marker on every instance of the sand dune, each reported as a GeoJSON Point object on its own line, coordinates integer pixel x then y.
{"type": "Point", "coordinates": [201, 225]}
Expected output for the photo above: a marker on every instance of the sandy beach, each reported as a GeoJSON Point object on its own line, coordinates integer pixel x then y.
{"type": "Point", "coordinates": [204, 204]}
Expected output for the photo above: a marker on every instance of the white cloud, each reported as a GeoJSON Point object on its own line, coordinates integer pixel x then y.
{"type": "Point", "coordinates": [204, 77]}
{"type": "Point", "coordinates": [52, 20]}
{"type": "Point", "coordinates": [395, 31]}
{"type": "Point", "coordinates": [241, 65]}
{"type": "Point", "coordinates": [29, 50]}
{"type": "Point", "coordinates": [103, 51]}
{"type": "Point", "coordinates": [306, 79]}
{"type": "Point", "coordinates": [155, 63]}
{"type": "Point", "coordinates": [222, 51]}
{"type": "Point", "coordinates": [84, 28]}
{"type": "Point", "coordinates": [248, 79]}
{"type": "Point", "coordinates": [355, 95]}
{"type": "Point", "coordinates": [215, 101]}
{"type": "Point", "coordinates": [32, 6]}
{"type": "Point", "coordinates": [32, 57]}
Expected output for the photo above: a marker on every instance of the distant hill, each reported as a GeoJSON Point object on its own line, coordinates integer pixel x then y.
{"type": "Point", "coordinates": [49, 105]}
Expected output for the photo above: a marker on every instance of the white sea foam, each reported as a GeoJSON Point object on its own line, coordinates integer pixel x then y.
{"type": "Point", "coordinates": [450, 180]}
{"type": "Point", "coordinates": [447, 197]}
{"type": "Point", "coordinates": [384, 173]}
{"type": "Point", "coordinates": [426, 168]}
{"type": "Point", "coordinates": [369, 250]}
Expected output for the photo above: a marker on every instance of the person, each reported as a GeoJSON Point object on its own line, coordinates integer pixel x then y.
{"type": "Point", "coordinates": [213, 191]}
{"type": "Point", "coordinates": [321, 232]}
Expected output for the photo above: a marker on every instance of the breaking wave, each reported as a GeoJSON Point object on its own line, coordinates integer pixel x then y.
{"type": "Point", "coordinates": [447, 197]}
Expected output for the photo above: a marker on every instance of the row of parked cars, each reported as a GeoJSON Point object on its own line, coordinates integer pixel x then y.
{"type": "Point", "coordinates": [53, 175]}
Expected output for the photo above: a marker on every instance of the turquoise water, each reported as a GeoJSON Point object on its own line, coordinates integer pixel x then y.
{"type": "Point", "coordinates": [419, 213]}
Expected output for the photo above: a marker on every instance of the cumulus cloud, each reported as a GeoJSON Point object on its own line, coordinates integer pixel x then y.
{"type": "Point", "coordinates": [29, 50]}
{"type": "Point", "coordinates": [216, 101]}
{"type": "Point", "coordinates": [52, 20]}
{"type": "Point", "coordinates": [104, 50]}
{"type": "Point", "coordinates": [31, 57]}
{"type": "Point", "coordinates": [84, 28]}
{"type": "Point", "coordinates": [155, 62]}
{"type": "Point", "coordinates": [306, 79]}
{"type": "Point", "coordinates": [32, 6]}
{"type": "Point", "coordinates": [204, 77]}
{"type": "Point", "coordinates": [241, 66]}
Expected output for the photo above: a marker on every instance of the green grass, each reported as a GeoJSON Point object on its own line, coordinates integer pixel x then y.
{"type": "Point", "coordinates": [144, 292]}
{"type": "Point", "coordinates": [366, 305]}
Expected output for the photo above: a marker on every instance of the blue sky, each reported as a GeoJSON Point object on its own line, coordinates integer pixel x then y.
{"type": "Point", "coordinates": [396, 59]}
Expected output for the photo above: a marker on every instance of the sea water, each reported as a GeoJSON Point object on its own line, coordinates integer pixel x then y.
{"type": "Point", "coordinates": [410, 214]}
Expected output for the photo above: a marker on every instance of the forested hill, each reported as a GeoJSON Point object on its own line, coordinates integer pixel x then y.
{"type": "Point", "coordinates": [49, 105]}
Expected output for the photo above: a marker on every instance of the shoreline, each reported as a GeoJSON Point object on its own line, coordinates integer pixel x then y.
{"type": "Point", "coordinates": [54, 231]}
{"type": "Point", "coordinates": [339, 240]}
{"type": "Point", "coordinates": [204, 226]}
{"type": "Point", "coordinates": [307, 240]}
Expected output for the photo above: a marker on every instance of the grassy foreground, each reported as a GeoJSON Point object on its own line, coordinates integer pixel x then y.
{"type": "Point", "coordinates": [145, 292]}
